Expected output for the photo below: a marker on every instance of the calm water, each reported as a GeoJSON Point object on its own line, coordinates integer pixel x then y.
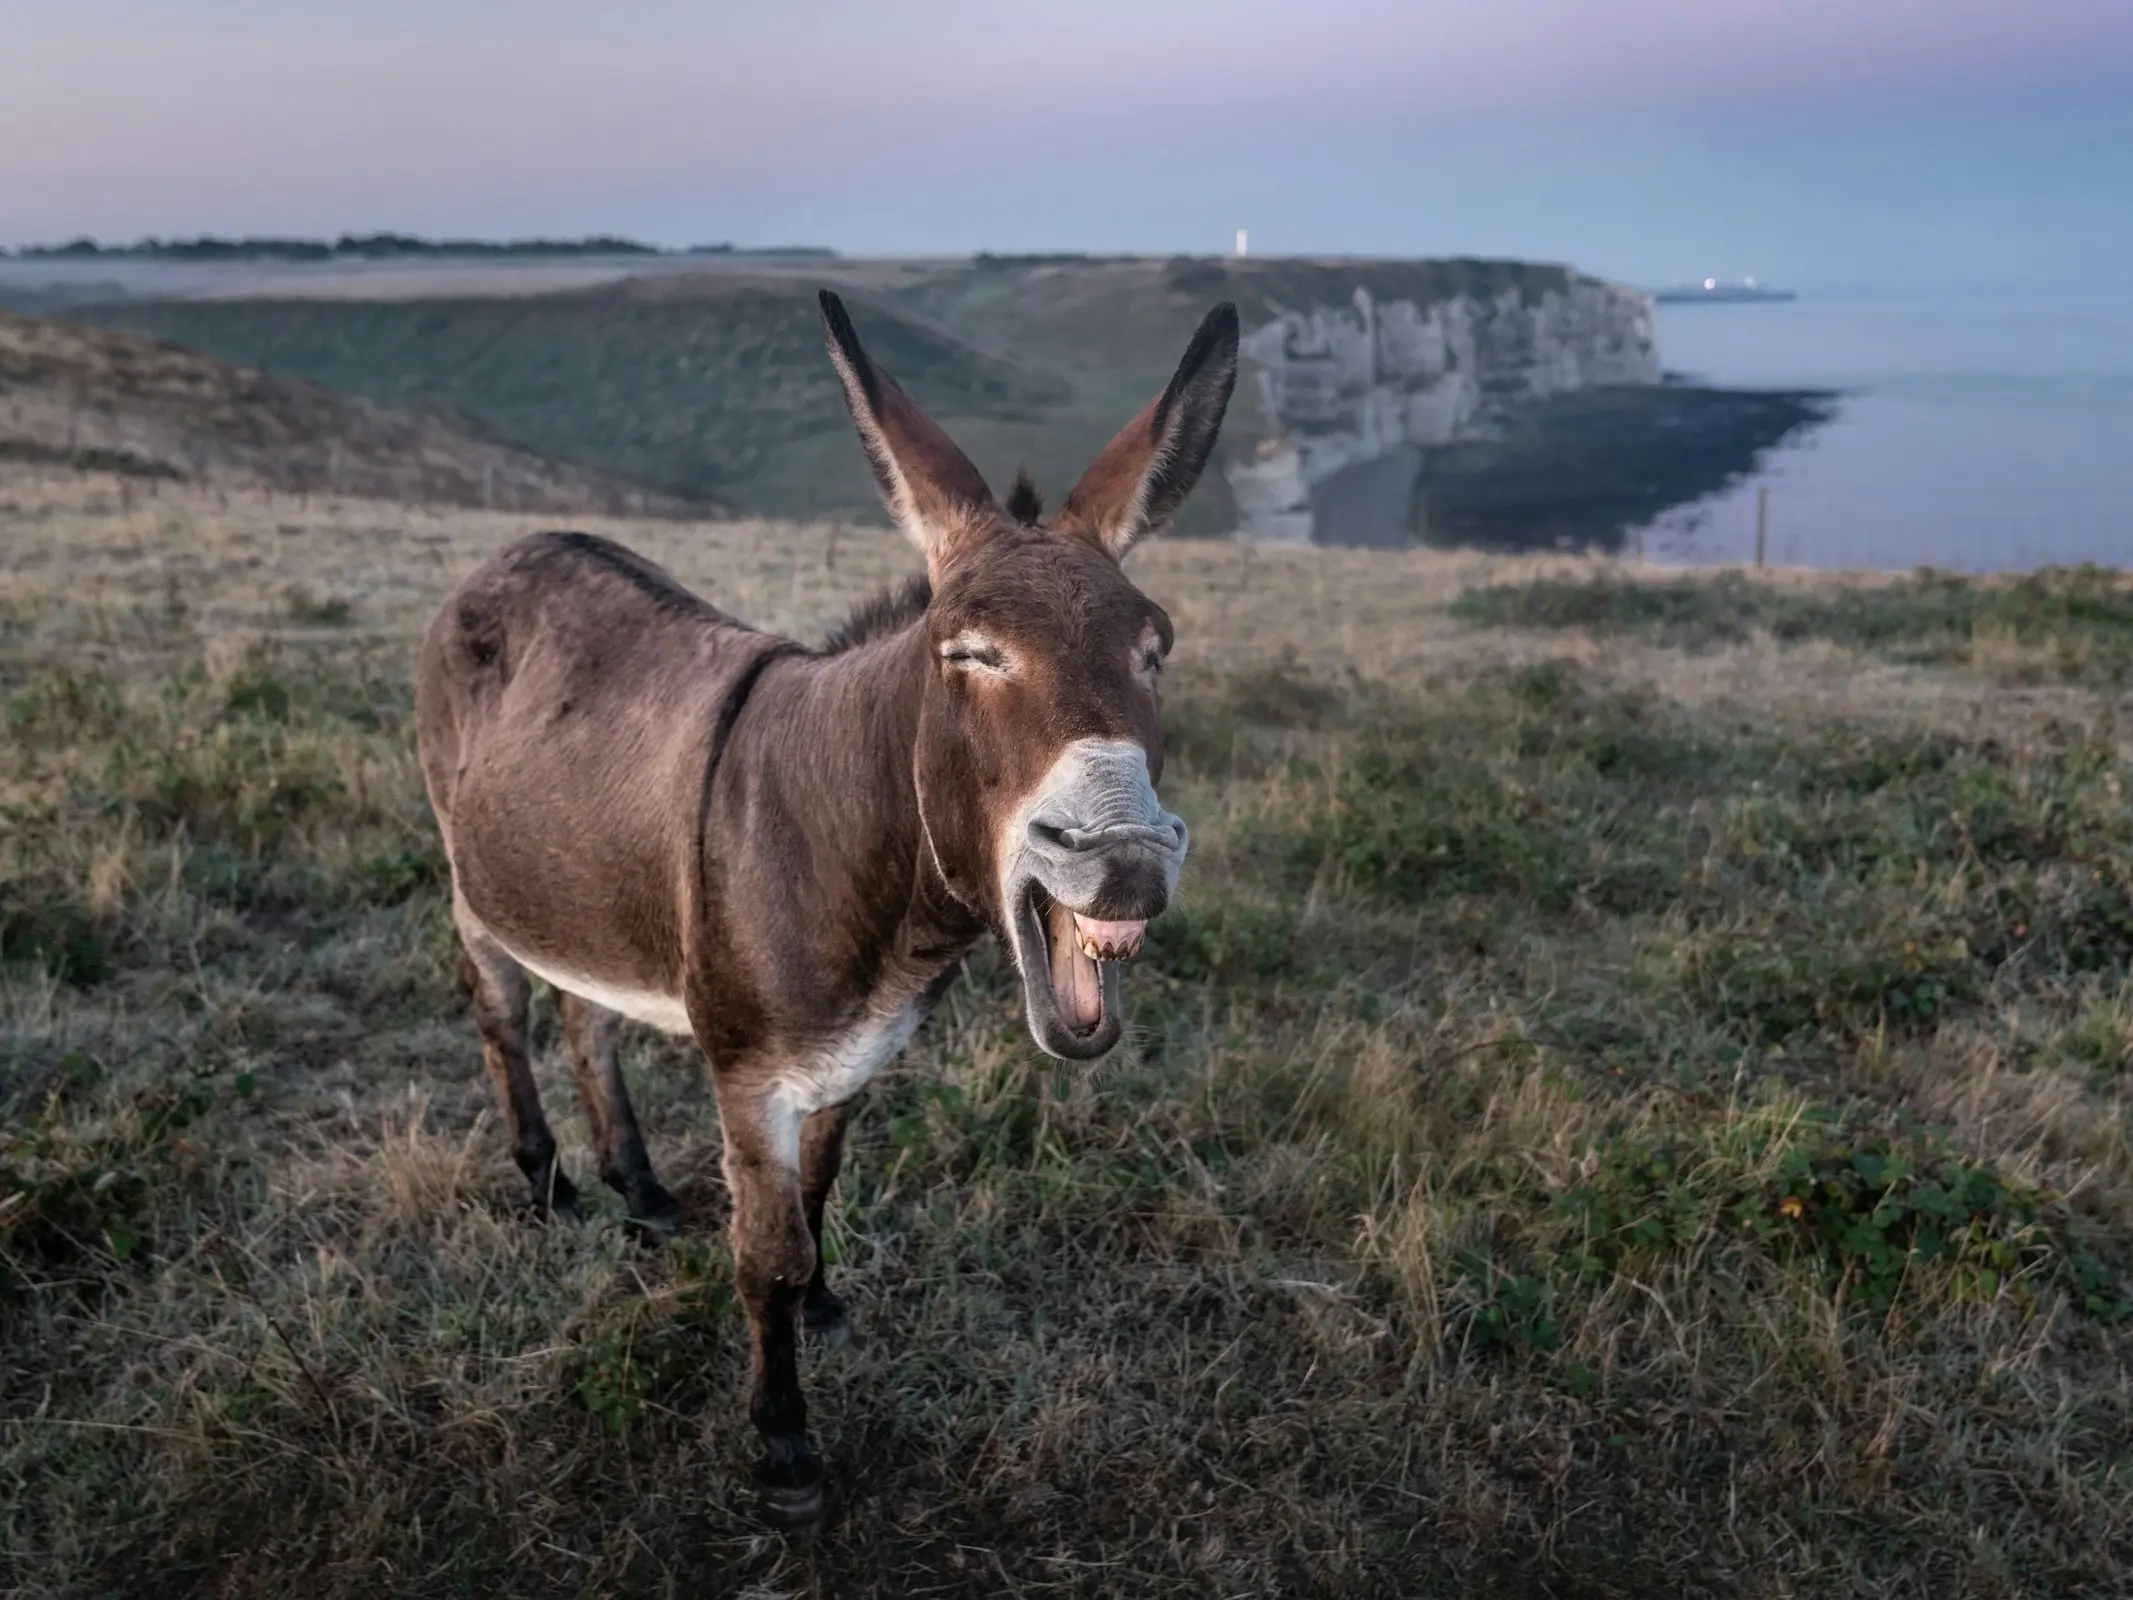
{"type": "Point", "coordinates": [1975, 432]}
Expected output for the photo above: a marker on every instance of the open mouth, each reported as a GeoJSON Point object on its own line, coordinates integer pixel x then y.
{"type": "Point", "coordinates": [1070, 973]}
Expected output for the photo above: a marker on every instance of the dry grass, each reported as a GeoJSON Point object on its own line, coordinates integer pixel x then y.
{"type": "Point", "coordinates": [1608, 1118]}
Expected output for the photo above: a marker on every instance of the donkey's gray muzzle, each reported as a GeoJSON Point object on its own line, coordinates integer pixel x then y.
{"type": "Point", "coordinates": [1098, 840]}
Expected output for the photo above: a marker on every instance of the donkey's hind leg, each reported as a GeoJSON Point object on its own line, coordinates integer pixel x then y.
{"type": "Point", "coordinates": [594, 1034]}
{"type": "Point", "coordinates": [501, 994]}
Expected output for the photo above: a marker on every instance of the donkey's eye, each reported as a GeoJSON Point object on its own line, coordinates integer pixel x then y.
{"type": "Point", "coordinates": [972, 653]}
{"type": "Point", "coordinates": [1152, 661]}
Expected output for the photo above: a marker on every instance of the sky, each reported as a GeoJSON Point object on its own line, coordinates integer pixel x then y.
{"type": "Point", "coordinates": [1817, 143]}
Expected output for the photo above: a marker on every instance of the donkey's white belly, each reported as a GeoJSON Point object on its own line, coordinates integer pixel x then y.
{"type": "Point", "coordinates": [836, 1073]}
{"type": "Point", "coordinates": [827, 1076]}
{"type": "Point", "coordinates": [662, 1011]}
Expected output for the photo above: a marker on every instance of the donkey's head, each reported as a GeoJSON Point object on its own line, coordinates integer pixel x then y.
{"type": "Point", "coordinates": [1039, 743]}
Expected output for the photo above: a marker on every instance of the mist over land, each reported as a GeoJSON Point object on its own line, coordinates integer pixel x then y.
{"type": "Point", "coordinates": [1820, 145]}
{"type": "Point", "coordinates": [375, 247]}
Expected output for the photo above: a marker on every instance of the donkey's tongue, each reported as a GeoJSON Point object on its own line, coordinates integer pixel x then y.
{"type": "Point", "coordinates": [1077, 983]}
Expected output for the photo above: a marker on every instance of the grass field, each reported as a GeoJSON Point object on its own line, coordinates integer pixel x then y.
{"type": "Point", "coordinates": [1634, 1100]}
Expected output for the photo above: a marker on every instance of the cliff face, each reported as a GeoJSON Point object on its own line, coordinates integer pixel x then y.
{"type": "Point", "coordinates": [1326, 388]}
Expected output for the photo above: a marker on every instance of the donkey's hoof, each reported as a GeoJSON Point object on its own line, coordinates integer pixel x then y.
{"type": "Point", "coordinates": [655, 1215]}
{"type": "Point", "coordinates": [824, 1316]}
{"type": "Point", "coordinates": [796, 1509]}
{"type": "Point", "coordinates": [556, 1198]}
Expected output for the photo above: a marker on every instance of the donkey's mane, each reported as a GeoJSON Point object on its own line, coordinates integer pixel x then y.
{"type": "Point", "coordinates": [896, 608]}
{"type": "Point", "coordinates": [880, 615]}
{"type": "Point", "coordinates": [1024, 504]}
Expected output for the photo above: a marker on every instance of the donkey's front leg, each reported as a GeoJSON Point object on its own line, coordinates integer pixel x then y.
{"type": "Point", "coordinates": [821, 1153]}
{"type": "Point", "coordinates": [773, 1263]}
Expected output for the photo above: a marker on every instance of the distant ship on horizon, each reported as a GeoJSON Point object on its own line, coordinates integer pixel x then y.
{"type": "Point", "coordinates": [1713, 291]}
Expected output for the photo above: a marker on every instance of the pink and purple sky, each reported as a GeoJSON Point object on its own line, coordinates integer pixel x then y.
{"type": "Point", "coordinates": [1822, 143]}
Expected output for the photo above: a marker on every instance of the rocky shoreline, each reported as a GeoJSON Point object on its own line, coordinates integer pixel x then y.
{"type": "Point", "coordinates": [1585, 470]}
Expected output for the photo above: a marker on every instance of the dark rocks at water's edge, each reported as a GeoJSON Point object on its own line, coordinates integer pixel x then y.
{"type": "Point", "coordinates": [1583, 470]}
{"type": "Point", "coordinates": [1579, 470]}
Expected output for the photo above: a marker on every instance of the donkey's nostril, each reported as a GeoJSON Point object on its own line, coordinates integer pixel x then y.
{"type": "Point", "coordinates": [1123, 836]}
{"type": "Point", "coordinates": [1050, 839]}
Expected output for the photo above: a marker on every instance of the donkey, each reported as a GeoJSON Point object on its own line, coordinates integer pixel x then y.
{"type": "Point", "coordinates": [785, 852]}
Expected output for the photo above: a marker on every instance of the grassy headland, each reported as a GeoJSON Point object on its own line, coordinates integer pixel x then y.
{"type": "Point", "coordinates": [712, 384]}
{"type": "Point", "coordinates": [1614, 1113]}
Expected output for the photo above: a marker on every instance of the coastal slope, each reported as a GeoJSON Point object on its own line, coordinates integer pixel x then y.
{"type": "Point", "coordinates": [95, 398]}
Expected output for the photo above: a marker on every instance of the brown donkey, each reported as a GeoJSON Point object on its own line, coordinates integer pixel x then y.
{"type": "Point", "coordinates": [786, 852]}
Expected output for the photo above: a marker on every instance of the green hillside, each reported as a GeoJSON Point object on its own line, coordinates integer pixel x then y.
{"type": "Point", "coordinates": [722, 394]}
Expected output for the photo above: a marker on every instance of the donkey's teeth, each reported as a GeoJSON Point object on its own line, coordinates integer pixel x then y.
{"type": "Point", "coordinates": [1108, 941]}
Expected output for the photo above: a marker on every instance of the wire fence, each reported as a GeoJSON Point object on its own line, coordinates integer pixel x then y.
{"type": "Point", "coordinates": [2003, 527]}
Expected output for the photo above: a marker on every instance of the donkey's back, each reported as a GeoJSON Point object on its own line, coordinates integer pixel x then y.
{"type": "Point", "coordinates": [566, 700]}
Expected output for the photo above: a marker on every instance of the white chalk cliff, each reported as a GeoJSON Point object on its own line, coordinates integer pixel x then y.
{"type": "Point", "coordinates": [1327, 387]}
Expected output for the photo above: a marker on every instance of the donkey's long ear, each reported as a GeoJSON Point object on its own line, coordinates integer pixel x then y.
{"type": "Point", "coordinates": [1144, 475]}
{"type": "Point", "coordinates": [930, 487]}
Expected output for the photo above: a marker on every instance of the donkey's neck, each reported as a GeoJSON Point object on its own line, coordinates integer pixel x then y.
{"type": "Point", "coordinates": [841, 732]}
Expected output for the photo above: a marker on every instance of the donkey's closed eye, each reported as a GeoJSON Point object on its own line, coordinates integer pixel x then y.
{"type": "Point", "coordinates": [973, 653]}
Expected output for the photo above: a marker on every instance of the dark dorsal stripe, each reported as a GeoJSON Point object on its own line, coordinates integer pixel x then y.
{"type": "Point", "coordinates": [653, 582]}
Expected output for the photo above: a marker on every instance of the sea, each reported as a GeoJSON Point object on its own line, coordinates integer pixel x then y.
{"type": "Point", "coordinates": [1973, 432]}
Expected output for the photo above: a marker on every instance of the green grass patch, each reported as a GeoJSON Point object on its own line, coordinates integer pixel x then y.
{"type": "Point", "coordinates": [1872, 1215]}
{"type": "Point", "coordinates": [52, 932]}
{"type": "Point", "coordinates": [74, 1183]}
{"type": "Point", "coordinates": [1825, 880]}
{"type": "Point", "coordinates": [2069, 624]}
{"type": "Point", "coordinates": [697, 394]}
